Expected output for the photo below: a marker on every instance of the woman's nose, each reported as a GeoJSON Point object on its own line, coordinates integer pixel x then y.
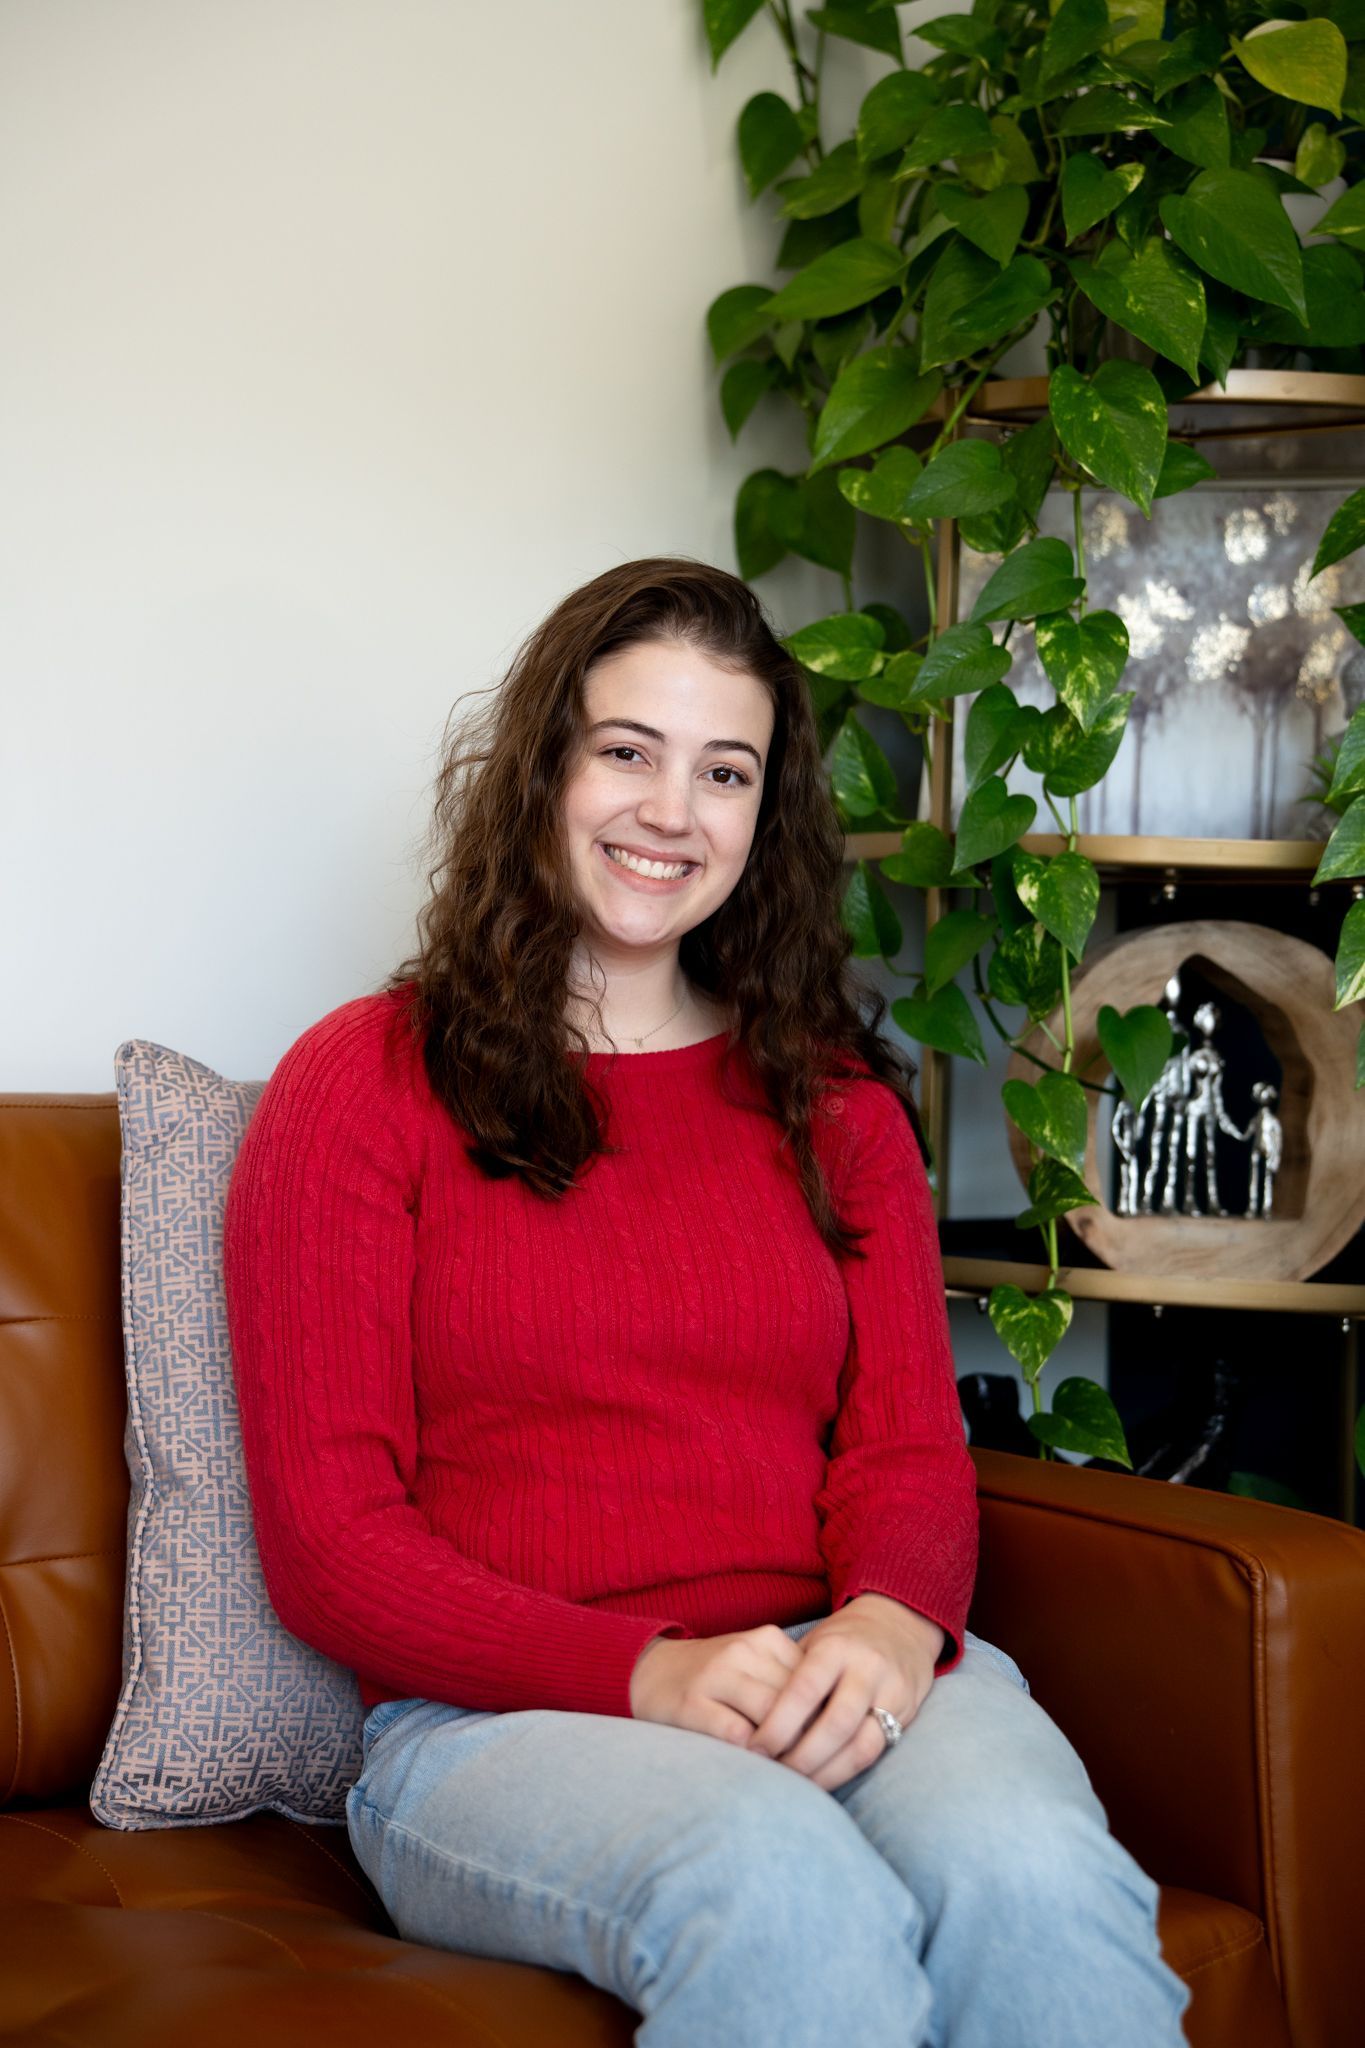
{"type": "Point", "coordinates": [667, 804]}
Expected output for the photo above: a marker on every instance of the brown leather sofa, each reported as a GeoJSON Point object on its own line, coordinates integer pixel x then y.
{"type": "Point", "coordinates": [1205, 1654]}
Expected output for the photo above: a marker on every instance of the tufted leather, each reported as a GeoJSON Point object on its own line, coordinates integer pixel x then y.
{"type": "Point", "coordinates": [1205, 1654]}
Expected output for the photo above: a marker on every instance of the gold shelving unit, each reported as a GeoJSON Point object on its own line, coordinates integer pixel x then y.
{"type": "Point", "coordinates": [1253, 405]}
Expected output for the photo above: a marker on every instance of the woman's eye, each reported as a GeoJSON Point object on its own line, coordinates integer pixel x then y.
{"type": "Point", "coordinates": [738, 779]}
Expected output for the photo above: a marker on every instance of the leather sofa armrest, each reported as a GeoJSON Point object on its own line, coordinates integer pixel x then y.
{"type": "Point", "coordinates": [1205, 1654]}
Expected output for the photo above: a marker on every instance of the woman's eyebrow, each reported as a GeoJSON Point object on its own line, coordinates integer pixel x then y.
{"type": "Point", "coordinates": [650, 732]}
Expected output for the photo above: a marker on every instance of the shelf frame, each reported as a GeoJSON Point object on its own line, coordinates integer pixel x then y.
{"type": "Point", "coordinates": [1291, 860]}
{"type": "Point", "coordinates": [967, 1277]}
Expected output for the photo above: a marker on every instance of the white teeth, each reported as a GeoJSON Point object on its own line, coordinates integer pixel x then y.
{"type": "Point", "coordinates": [657, 870]}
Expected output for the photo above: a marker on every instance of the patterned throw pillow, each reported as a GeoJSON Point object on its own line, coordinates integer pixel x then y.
{"type": "Point", "coordinates": [222, 1713]}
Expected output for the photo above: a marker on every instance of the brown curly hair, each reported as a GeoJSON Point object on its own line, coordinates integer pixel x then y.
{"type": "Point", "coordinates": [488, 986]}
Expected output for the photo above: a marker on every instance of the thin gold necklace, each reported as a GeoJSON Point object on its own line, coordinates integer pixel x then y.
{"type": "Point", "coordinates": [639, 1042]}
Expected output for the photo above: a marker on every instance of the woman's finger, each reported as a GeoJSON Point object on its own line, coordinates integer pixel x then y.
{"type": "Point", "coordinates": [839, 1724]}
{"type": "Point", "coordinates": [803, 1695]}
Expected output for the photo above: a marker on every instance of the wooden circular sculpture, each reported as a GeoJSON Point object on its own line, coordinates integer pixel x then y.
{"type": "Point", "coordinates": [1288, 987]}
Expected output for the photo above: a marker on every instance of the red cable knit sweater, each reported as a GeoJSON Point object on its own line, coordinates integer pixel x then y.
{"type": "Point", "coordinates": [497, 1443]}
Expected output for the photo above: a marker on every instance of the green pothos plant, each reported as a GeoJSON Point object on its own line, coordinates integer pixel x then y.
{"type": "Point", "coordinates": [1118, 173]}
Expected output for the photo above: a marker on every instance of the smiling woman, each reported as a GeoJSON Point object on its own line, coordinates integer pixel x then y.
{"type": "Point", "coordinates": [617, 1384]}
{"type": "Point", "coordinates": [658, 830]}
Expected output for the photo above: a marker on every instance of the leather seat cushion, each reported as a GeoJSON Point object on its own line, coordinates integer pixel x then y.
{"type": "Point", "coordinates": [272, 1925]}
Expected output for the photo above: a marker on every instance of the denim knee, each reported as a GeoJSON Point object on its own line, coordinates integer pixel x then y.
{"type": "Point", "coordinates": [1058, 1855]}
{"type": "Point", "coordinates": [780, 1851]}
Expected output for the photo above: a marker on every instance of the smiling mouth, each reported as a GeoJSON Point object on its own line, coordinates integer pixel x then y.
{"type": "Point", "coordinates": [630, 864]}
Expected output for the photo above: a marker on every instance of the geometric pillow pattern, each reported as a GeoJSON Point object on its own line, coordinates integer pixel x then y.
{"type": "Point", "coordinates": [222, 1712]}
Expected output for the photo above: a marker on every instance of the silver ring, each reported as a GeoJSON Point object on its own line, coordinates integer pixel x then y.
{"type": "Point", "coordinates": [891, 1727]}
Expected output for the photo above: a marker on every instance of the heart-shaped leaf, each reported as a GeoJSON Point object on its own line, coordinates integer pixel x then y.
{"type": "Point", "coordinates": [769, 137]}
{"type": "Point", "coordinates": [1010, 160]}
{"type": "Point", "coordinates": [1030, 1326]}
{"type": "Point", "coordinates": [837, 178]}
{"type": "Point", "coordinates": [950, 943]}
{"type": "Point", "coordinates": [1336, 304]}
{"type": "Point", "coordinates": [813, 518]}
{"type": "Point", "coordinates": [1010, 911]}
{"type": "Point", "coordinates": [1137, 1045]}
{"type": "Point", "coordinates": [1193, 54]}
{"type": "Point", "coordinates": [892, 111]}
{"type": "Point", "coordinates": [1181, 469]}
{"type": "Point", "coordinates": [1235, 227]}
{"type": "Point", "coordinates": [962, 659]}
{"type": "Point", "coordinates": [1052, 1115]}
{"type": "Point", "coordinates": [1345, 851]}
{"type": "Point", "coordinates": [1351, 958]}
{"type": "Point", "coordinates": [838, 280]}
{"type": "Point", "coordinates": [758, 546]}
{"type": "Point", "coordinates": [1084, 659]}
{"type": "Point", "coordinates": [1054, 1188]}
{"type": "Point", "coordinates": [869, 918]}
{"type": "Point", "coordinates": [1153, 293]}
{"type": "Point", "coordinates": [925, 860]}
{"type": "Point", "coordinates": [1068, 759]}
{"type": "Point", "coordinates": [1029, 457]}
{"type": "Point", "coordinates": [881, 491]}
{"type": "Point", "coordinates": [1300, 60]}
{"type": "Point", "coordinates": [1090, 192]}
{"type": "Point", "coordinates": [952, 131]}
{"type": "Point", "coordinates": [1084, 1419]}
{"type": "Point", "coordinates": [876, 28]}
{"type": "Point", "coordinates": [1344, 533]}
{"type": "Point", "coordinates": [1107, 111]}
{"type": "Point", "coordinates": [847, 646]}
{"type": "Point", "coordinates": [876, 398]}
{"type": "Point", "coordinates": [743, 384]}
{"type": "Point", "coordinates": [1063, 898]}
{"type": "Point", "coordinates": [737, 318]}
{"type": "Point", "coordinates": [944, 1021]}
{"type": "Point", "coordinates": [1026, 970]}
{"type": "Point", "coordinates": [991, 820]}
{"type": "Point", "coordinates": [724, 19]}
{"type": "Point", "coordinates": [1038, 577]}
{"type": "Point", "coordinates": [971, 302]}
{"type": "Point", "coordinates": [1345, 218]}
{"type": "Point", "coordinates": [1348, 770]}
{"type": "Point", "coordinates": [1114, 424]}
{"type": "Point", "coordinates": [1199, 126]}
{"type": "Point", "coordinates": [862, 776]}
{"type": "Point", "coordinates": [1079, 28]}
{"type": "Point", "coordinates": [964, 477]}
{"type": "Point", "coordinates": [894, 688]}
{"type": "Point", "coordinates": [992, 735]}
{"type": "Point", "coordinates": [992, 222]}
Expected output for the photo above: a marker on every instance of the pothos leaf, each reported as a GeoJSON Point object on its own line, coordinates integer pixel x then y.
{"type": "Point", "coordinates": [1030, 1326]}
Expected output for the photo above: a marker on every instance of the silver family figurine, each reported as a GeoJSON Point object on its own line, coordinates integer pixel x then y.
{"type": "Point", "coordinates": [1174, 1128]}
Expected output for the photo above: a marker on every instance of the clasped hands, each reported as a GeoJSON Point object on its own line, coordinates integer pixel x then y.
{"type": "Point", "coordinates": [805, 1704]}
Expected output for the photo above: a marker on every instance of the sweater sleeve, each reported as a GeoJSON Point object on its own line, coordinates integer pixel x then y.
{"type": "Point", "coordinates": [898, 1505]}
{"type": "Point", "coordinates": [319, 1260]}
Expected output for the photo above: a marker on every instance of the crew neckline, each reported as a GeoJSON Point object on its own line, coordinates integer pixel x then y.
{"type": "Point", "coordinates": [669, 1056]}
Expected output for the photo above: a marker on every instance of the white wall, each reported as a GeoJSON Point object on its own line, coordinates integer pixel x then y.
{"type": "Point", "coordinates": [339, 339]}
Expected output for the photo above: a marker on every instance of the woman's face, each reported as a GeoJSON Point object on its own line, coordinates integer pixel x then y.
{"type": "Point", "coordinates": [672, 771]}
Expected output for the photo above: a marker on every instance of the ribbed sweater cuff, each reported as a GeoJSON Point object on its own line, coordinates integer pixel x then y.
{"type": "Point", "coordinates": [593, 1677]}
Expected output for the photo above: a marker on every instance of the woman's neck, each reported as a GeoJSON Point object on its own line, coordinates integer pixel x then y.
{"type": "Point", "coordinates": [626, 1028]}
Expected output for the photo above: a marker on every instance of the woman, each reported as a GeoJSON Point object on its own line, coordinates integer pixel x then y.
{"type": "Point", "coordinates": [599, 1410]}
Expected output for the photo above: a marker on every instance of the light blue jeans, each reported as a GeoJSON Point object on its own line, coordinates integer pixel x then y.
{"type": "Point", "coordinates": [963, 1891]}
